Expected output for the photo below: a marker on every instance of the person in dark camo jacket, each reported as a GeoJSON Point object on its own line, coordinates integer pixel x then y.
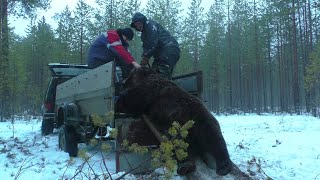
{"type": "Point", "coordinates": [157, 43]}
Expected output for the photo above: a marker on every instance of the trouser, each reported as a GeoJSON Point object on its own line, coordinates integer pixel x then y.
{"type": "Point", "coordinates": [163, 69]}
{"type": "Point", "coordinates": [96, 62]}
{"type": "Point", "coordinates": [165, 61]}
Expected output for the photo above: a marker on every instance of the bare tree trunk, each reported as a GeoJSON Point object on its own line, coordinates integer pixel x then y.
{"type": "Point", "coordinates": [1, 62]}
{"type": "Point", "coordinates": [258, 63]}
{"type": "Point", "coordinates": [309, 49]}
{"type": "Point", "coordinates": [229, 64]}
{"type": "Point", "coordinates": [296, 90]}
{"type": "Point", "coordinates": [271, 81]}
{"type": "Point", "coordinates": [81, 43]}
{"type": "Point", "coordinates": [4, 54]}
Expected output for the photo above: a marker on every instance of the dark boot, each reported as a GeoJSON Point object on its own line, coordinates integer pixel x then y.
{"type": "Point", "coordinates": [186, 167]}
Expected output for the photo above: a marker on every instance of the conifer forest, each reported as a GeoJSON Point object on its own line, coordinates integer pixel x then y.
{"type": "Point", "coordinates": [256, 56]}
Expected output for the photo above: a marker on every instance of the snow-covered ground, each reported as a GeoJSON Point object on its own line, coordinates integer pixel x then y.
{"type": "Point", "coordinates": [275, 146]}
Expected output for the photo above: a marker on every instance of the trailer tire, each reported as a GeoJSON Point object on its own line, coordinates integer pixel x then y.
{"type": "Point", "coordinates": [60, 120]}
{"type": "Point", "coordinates": [47, 127]}
{"type": "Point", "coordinates": [68, 140]}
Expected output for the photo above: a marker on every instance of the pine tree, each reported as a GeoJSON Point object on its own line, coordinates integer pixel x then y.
{"type": "Point", "coordinates": [112, 14]}
{"type": "Point", "coordinates": [20, 8]}
{"type": "Point", "coordinates": [81, 40]}
{"type": "Point", "coordinates": [65, 33]}
{"type": "Point", "coordinates": [166, 13]}
{"type": "Point", "coordinates": [42, 50]}
{"type": "Point", "coordinates": [312, 80]}
{"type": "Point", "coordinates": [133, 6]}
{"type": "Point", "coordinates": [194, 32]}
{"type": "Point", "coordinates": [212, 57]}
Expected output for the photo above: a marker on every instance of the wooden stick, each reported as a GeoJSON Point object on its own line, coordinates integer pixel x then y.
{"type": "Point", "coordinates": [152, 127]}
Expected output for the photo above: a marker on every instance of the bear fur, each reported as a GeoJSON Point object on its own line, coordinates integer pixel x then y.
{"type": "Point", "coordinates": [164, 102]}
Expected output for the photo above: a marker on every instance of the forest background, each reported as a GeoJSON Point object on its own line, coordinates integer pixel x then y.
{"type": "Point", "coordinates": [256, 56]}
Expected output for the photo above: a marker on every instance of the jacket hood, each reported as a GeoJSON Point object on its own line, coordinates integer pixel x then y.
{"type": "Point", "coordinates": [138, 17]}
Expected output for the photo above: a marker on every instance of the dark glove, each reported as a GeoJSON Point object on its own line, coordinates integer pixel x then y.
{"type": "Point", "coordinates": [144, 61]}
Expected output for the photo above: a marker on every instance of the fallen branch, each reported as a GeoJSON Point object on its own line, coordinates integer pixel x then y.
{"type": "Point", "coordinates": [268, 177]}
{"type": "Point", "coordinates": [105, 166]}
{"type": "Point", "coordinates": [240, 145]}
{"type": "Point", "coordinates": [86, 161]}
{"type": "Point", "coordinates": [131, 170]}
{"type": "Point", "coordinates": [22, 168]}
{"type": "Point", "coordinates": [254, 161]}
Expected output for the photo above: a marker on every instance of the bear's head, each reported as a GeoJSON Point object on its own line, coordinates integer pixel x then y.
{"type": "Point", "coordinates": [137, 75]}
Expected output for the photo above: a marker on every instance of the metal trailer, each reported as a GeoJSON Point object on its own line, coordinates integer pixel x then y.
{"type": "Point", "coordinates": [94, 92]}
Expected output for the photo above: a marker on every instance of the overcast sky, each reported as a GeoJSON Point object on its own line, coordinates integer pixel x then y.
{"type": "Point", "coordinates": [57, 6]}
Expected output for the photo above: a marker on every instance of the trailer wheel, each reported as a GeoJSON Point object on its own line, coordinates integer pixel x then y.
{"type": "Point", "coordinates": [60, 120]}
{"type": "Point", "coordinates": [68, 141]}
{"type": "Point", "coordinates": [46, 127]}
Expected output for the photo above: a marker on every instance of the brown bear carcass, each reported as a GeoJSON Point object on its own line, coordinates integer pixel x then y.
{"type": "Point", "coordinates": [164, 102]}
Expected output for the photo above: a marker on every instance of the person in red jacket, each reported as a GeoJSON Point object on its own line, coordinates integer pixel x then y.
{"type": "Point", "coordinates": [113, 45]}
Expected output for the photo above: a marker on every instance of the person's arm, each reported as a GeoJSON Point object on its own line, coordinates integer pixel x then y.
{"type": "Point", "coordinates": [135, 64]}
{"type": "Point", "coordinates": [121, 52]}
{"type": "Point", "coordinates": [150, 39]}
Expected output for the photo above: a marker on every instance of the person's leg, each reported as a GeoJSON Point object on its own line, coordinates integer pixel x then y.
{"type": "Point", "coordinates": [165, 62]}
{"type": "Point", "coordinates": [163, 69]}
{"type": "Point", "coordinates": [95, 62]}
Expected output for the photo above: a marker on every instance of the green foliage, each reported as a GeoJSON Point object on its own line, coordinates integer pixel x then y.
{"type": "Point", "coordinates": [313, 70]}
{"type": "Point", "coordinates": [312, 78]}
{"type": "Point", "coordinates": [173, 147]}
{"type": "Point", "coordinates": [125, 144]}
{"type": "Point", "coordinates": [65, 33]}
{"type": "Point", "coordinates": [83, 154]}
{"type": "Point", "coordinates": [166, 13]}
{"type": "Point", "coordinates": [98, 120]}
{"type": "Point", "coordinates": [105, 147]}
{"type": "Point", "coordinates": [114, 133]}
{"type": "Point", "coordinates": [138, 149]}
{"type": "Point", "coordinates": [93, 142]}
{"type": "Point", "coordinates": [240, 46]}
{"type": "Point", "coordinates": [134, 147]}
{"type": "Point", "coordinates": [193, 32]}
{"type": "Point", "coordinates": [27, 7]}
{"type": "Point", "coordinates": [114, 14]}
{"type": "Point", "coordinates": [185, 128]}
{"type": "Point", "coordinates": [82, 18]}
{"type": "Point", "coordinates": [110, 116]}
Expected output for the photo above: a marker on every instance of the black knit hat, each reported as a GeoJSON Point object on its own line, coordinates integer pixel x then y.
{"type": "Point", "coordinates": [128, 33]}
{"type": "Point", "coordinates": [138, 17]}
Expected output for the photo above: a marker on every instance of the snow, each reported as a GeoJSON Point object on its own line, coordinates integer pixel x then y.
{"type": "Point", "coordinates": [275, 146]}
